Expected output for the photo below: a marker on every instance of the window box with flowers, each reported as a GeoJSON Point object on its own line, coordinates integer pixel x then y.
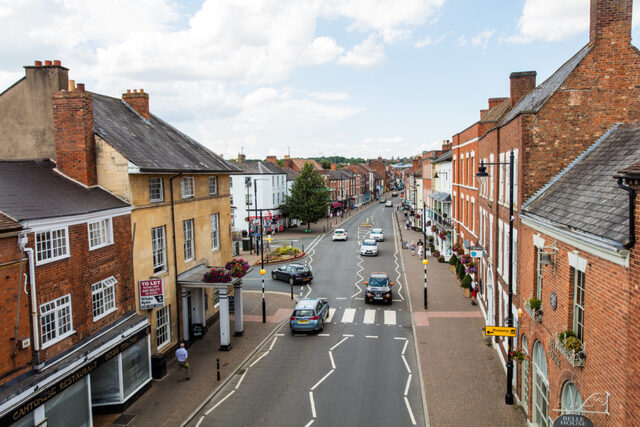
{"type": "Point", "coordinates": [217, 275]}
{"type": "Point", "coordinates": [533, 306]}
{"type": "Point", "coordinates": [571, 347]}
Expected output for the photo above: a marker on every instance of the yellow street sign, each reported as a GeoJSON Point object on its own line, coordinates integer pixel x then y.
{"type": "Point", "coordinates": [498, 331]}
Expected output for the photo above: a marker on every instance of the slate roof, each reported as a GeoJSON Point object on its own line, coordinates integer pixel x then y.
{"type": "Point", "coordinates": [258, 168]}
{"type": "Point", "coordinates": [534, 100]}
{"type": "Point", "coordinates": [291, 174]}
{"type": "Point", "coordinates": [448, 156]}
{"type": "Point", "coordinates": [494, 114]}
{"type": "Point", "coordinates": [584, 196]}
{"type": "Point", "coordinates": [33, 190]}
{"type": "Point", "coordinates": [152, 145]}
{"type": "Point", "coordinates": [8, 224]}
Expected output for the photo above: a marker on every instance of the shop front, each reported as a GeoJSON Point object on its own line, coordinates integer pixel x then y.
{"type": "Point", "coordinates": [102, 374]}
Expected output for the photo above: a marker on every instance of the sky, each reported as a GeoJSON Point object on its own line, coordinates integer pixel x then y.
{"type": "Point", "coordinates": [308, 78]}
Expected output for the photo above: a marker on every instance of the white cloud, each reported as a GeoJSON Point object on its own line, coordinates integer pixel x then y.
{"type": "Point", "coordinates": [322, 50]}
{"type": "Point", "coordinates": [366, 54]}
{"type": "Point", "coordinates": [551, 20]}
{"type": "Point", "coordinates": [330, 96]}
{"type": "Point", "coordinates": [482, 39]}
{"type": "Point", "coordinates": [428, 41]}
{"type": "Point", "coordinates": [461, 41]}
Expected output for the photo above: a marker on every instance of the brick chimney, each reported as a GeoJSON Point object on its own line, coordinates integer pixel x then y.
{"type": "Point", "coordinates": [287, 162]}
{"type": "Point", "coordinates": [446, 145]}
{"type": "Point", "coordinates": [272, 159]}
{"type": "Point", "coordinates": [334, 167]}
{"type": "Point", "coordinates": [241, 158]}
{"type": "Point", "coordinates": [139, 101]}
{"type": "Point", "coordinates": [74, 137]}
{"type": "Point", "coordinates": [494, 102]}
{"type": "Point", "coordinates": [522, 83]}
{"type": "Point", "coordinates": [483, 112]}
{"type": "Point", "coordinates": [610, 20]}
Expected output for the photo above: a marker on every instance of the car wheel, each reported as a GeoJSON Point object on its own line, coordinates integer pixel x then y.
{"type": "Point", "coordinates": [293, 332]}
{"type": "Point", "coordinates": [291, 281]}
{"type": "Point", "coordinates": [321, 328]}
{"type": "Point", "coordinates": [273, 276]}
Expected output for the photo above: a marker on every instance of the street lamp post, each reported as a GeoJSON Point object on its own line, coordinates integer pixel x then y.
{"type": "Point", "coordinates": [262, 272]}
{"type": "Point", "coordinates": [482, 173]}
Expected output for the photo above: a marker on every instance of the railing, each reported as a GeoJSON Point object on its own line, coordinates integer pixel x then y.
{"type": "Point", "coordinates": [441, 220]}
{"type": "Point", "coordinates": [576, 358]}
{"type": "Point", "coordinates": [535, 314]}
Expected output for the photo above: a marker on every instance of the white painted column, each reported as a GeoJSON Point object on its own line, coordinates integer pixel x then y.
{"type": "Point", "coordinates": [225, 338]}
{"type": "Point", "coordinates": [185, 315]}
{"type": "Point", "coordinates": [237, 303]}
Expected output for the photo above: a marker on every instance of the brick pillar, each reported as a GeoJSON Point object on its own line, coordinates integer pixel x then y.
{"type": "Point", "coordinates": [521, 84]}
{"type": "Point", "coordinates": [74, 137]}
{"type": "Point", "coordinates": [610, 20]}
{"type": "Point", "coordinates": [139, 101]}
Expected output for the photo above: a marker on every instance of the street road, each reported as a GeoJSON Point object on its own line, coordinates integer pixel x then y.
{"type": "Point", "coordinates": [361, 370]}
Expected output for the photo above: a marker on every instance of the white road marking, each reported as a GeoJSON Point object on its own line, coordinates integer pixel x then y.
{"type": "Point", "coordinates": [371, 336]}
{"type": "Point", "coordinates": [200, 421]}
{"type": "Point", "coordinates": [413, 420]}
{"type": "Point", "coordinates": [347, 335]}
{"type": "Point", "coordinates": [339, 342]}
{"type": "Point", "coordinates": [219, 403]}
{"type": "Point", "coordinates": [369, 316]}
{"type": "Point", "coordinates": [241, 378]}
{"type": "Point", "coordinates": [313, 405]}
{"type": "Point", "coordinates": [359, 298]}
{"type": "Point", "coordinates": [308, 287]}
{"type": "Point", "coordinates": [406, 388]}
{"type": "Point", "coordinates": [273, 343]}
{"type": "Point", "coordinates": [258, 359]}
{"type": "Point", "coordinates": [323, 378]}
{"type": "Point", "coordinates": [405, 347]}
{"type": "Point", "coordinates": [389, 317]}
{"type": "Point", "coordinates": [341, 297]}
{"type": "Point", "coordinates": [279, 335]}
{"type": "Point", "coordinates": [348, 315]}
{"type": "Point", "coordinates": [399, 338]}
{"type": "Point", "coordinates": [406, 364]}
{"type": "Point", "coordinates": [324, 335]}
{"type": "Point", "coordinates": [309, 423]}
{"type": "Point", "coordinates": [333, 364]}
{"type": "Point", "coordinates": [332, 311]}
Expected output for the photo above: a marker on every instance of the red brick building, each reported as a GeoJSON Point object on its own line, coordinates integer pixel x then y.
{"type": "Point", "coordinates": [88, 347]}
{"type": "Point", "coordinates": [547, 127]}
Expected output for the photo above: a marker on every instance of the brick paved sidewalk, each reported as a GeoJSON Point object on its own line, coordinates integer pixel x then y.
{"type": "Point", "coordinates": [464, 380]}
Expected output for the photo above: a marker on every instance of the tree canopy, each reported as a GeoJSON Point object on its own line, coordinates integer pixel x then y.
{"type": "Point", "coordinates": [309, 198]}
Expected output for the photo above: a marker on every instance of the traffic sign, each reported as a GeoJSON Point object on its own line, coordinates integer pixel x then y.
{"type": "Point", "coordinates": [499, 331]}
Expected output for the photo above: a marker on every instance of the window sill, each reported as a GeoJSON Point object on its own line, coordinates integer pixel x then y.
{"type": "Point", "coordinates": [161, 273]}
{"type": "Point", "coordinates": [106, 313]}
{"type": "Point", "coordinates": [50, 260]}
{"type": "Point", "coordinates": [163, 345]}
{"type": "Point", "coordinates": [535, 315]}
{"type": "Point", "coordinates": [575, 358]}
{"type": "Point", "coordinates": [57, 339]}
{"type": "Point", "coordinates": [100, 246]}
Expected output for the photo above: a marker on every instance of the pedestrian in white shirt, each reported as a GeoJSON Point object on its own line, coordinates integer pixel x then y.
{"type": "Point", "coordinates": [183, 361]}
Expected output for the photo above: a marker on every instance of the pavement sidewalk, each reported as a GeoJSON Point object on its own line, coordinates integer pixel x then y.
{"type": "Point", "coordinates": [463, 378]}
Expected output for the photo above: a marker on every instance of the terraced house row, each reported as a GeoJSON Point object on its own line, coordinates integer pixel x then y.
{"type": "Point", "coordinates": [98, 195]}
{"type": "Point", "coordinates": [575, 144]}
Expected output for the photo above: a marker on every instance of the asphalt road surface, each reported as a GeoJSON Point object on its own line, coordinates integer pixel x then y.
{"type": "Point", "coordinates": [361, 370]}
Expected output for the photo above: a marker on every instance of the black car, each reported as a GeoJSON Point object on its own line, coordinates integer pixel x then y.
{"type": "Point", "coordinates": [293, 274]}
{"type": "Point", "coordinates": [378, 289]}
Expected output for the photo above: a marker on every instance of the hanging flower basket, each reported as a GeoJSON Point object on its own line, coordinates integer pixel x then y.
{"type": "Point", "coordinates": [465, 259]}
{"type": "Point", "coordinates": [433, 228]}
{"type": "Point", "coordinates": [460, 251]}
{"type": "Point", "coordinates": [216, 275]}
{"type": "Point", "coordinates": [442, 235]}
{"type": "Point", "coordinates": [472, 270]}
{"type": "Point", "coordinates": [518, 355]}
{"type": "Point", "coordinates": [237, 267]}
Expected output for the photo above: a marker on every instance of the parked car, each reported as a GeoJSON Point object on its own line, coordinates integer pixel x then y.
{"type": "Point", "coordinates": [378, 288]}
{"type": "Point", "coordinates": [369, 247]}
{"type": "Point", "coordinates": [389, 204]}
{"type": "Point", "coordinates": [339, 234]}
{"type": "Point", "coordinates": [376, 234]}
{"type": "Point", "coordinates": [382, 200]}
{"type": "Point", "coordinates": [293, 274]}
{"type": "Point", "coordinates": [309, 315]}
{"type": "Point", "coordinates": [394, 194]}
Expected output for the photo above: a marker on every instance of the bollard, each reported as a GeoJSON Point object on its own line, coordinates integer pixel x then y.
{"type": "Point", "coordinates": [292, 292]}
{"type": "Point", "coordinates": [303, 247]}
{"type": "Point", "coordinates": [218, 368]}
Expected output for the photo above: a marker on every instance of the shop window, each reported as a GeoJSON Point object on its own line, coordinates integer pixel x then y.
{"type": "Point", "coordinates": [105, 383]}
{"type": "Point", "coordinates": [135, 367]}
{"type": "Point", "coordinates": [70, 408]}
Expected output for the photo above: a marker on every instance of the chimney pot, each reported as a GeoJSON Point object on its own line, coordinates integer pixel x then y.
{"type": "Point", "coordinates": [37, 63]}
{"type": "Point", "coordinates": [72, 85]}
{"type": "Point", "coordinates": [128, 90]}
{"type": "Point", "coordinates": [141, 90]}
{"type": "Point", "coordinates": [57, 62]}
{"type": "Point", "coordinates": [81, 87]}
{"type": "Point", "coordinates": [47, 62]}
{"type": "Point", "coordinates": [135, 91]}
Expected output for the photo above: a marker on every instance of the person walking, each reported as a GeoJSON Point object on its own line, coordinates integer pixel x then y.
{"type": "Point", "coordinates": [413, 248]}
{"type": "Point", "coordinates": [420, 248]}
{"type": "Point", "coordinates": [183, 361]}
{"type": "Point", "coordinates": [474, 292]}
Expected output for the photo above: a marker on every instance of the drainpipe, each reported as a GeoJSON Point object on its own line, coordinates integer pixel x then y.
{"type": "Point", "coordinates": [34, 303]}
{"type": "Point", "coordinates": [175, 258]}
{"type": "Point", "coordinates": [632, 225]}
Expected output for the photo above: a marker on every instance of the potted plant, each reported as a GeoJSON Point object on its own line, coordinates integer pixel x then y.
{"type": "Point", "coordinates": [237, 267]}
{"type": "Point", "coordinates": [460, 251]}
{"type": "Point", "coordinates": [216, 275]}
{"type": "Point", "coordinates": [466, 285]}
{"type": "Point", "coordinates": [518, 355]}
{"type": "Point", "coordinates": [433, 228]}
{"type": "Point", "coordinates": [452, 262]}
{"type": "Point", "coordinates": [535, 304]}
{"type": "Point", "coordinates": [573, 344]}
{"type": "Point", "coordinates": [435, 253]}
{"type": "Point", "coordinates": [461, 273]}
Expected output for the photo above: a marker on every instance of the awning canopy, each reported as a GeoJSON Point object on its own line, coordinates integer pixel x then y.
{"type": "Point", "coordinates": [440, 196]}
{"type": "Point", "coordinates": [336, 204]}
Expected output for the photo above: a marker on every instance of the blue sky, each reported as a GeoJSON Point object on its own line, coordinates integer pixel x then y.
{"type": "Point", "coordinates": [362, 78]}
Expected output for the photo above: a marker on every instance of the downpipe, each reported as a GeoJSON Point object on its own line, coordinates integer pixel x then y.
{"type": "Point", "coordinates": [632, 225]}
{"type": "Point", "coordinates": [37, 365]}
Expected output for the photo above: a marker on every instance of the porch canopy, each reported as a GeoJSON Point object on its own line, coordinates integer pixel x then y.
{"type": "Point", "coordinates": [440, 196]}
{"type": "Point", "coordinates": [192, 279]}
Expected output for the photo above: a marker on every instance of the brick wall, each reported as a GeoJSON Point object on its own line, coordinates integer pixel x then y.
{"type": "Point", "coordinates": [633, 328]}
{"type": "Point", "coordinates": [77, 273]}
{"type": "Point", "coordinates": [139, 101]}
{"type": "Point", "coordinates": [75, 141]}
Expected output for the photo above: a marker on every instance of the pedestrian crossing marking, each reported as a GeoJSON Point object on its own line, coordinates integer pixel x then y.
{"type": "Point", "coordinates": [369, 316]}
{"type": "Point", "coordinates": [389, 317]}
{"type": "Point", "coordinates": [348, 315]}
{"type": "Point", "coordinates": [332, 311]}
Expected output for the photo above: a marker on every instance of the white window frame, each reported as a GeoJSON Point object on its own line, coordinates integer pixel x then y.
{"type": "Point", "coordinates": [104, 294]}
{"type": "Point", "coordinates": [215, 232]}
{"type": "Point", "coordinates": [61, 250]}
{"type": "Point", "coordinates": [103, 235]}
{"type": "Point", "coordinates": [187, 187]}
{"type": "Point", "coordinates": [164, 314]}
{"type": "Point", "coordinates": [578, 303]}
{"type": "Point", "coordinates": [213, 189]}
{"type": "Point", "coordinates": [188, 235]}
{"type": "Point", "coordinates": [162, 239]}
{"type": "Point", "coordinates": [500, 248]}
{"type": "Point", "coordinates": [152, 187]}
{"type": "Point", "coordinates": [491, 175]}
{"type": "Point", "coordinates": [515, 179]}
{"type": "Point", "coordinates": [501, 178]}
{"type": "Point", "coordinates": [55, 307]}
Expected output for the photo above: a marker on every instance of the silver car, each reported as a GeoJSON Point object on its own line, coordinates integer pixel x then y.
{"type": "Point", "coordinates": [377, 234]}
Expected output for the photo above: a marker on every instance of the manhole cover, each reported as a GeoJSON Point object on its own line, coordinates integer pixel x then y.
{"type": "Point", "coordinates": [124, 419]}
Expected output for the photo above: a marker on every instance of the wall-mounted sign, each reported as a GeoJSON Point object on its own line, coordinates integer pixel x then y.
{"type": "Point", "coordinates": [151, 294]}
{"type": "Point", "coordinates": [553, 299]}
{"type": "Point", "coordinates": [572, 420]}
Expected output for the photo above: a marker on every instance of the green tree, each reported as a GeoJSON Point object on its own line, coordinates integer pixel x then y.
{"type": "Point", "coordinates": [310, 197]}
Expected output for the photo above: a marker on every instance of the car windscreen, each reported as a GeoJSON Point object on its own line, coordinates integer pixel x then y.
{"type": "Point", "coordinates": [378, 282]}
{"type": "Point", "coordinates": [376, 231]}
{"type": "Point", "coordinates": [303, 313]}
{"type": "Point", "coordinates": [338, 232]}
{"type": "Point", "coordinates": [300, 269]}
{"type": "Point", "coordinates": [368, 243]}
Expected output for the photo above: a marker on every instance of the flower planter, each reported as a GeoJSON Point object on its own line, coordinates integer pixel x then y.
{"type": "Point", "coordinates": [467, 292]}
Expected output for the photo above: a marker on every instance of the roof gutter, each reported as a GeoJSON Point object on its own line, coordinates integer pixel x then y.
{"type": "Point", "coordinates": [632, 224]}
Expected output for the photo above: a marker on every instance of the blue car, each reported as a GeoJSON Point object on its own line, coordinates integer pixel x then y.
{"type": "Point", "coordinates": [309, 315]}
